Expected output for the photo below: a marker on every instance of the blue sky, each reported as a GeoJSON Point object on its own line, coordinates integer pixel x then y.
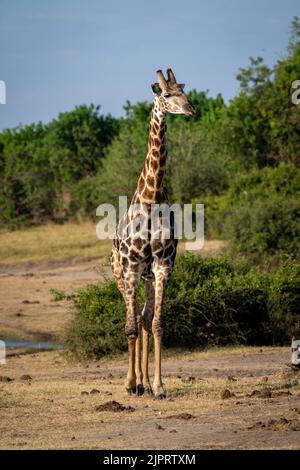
{"type": "Point", "coordinates": [61, 53]}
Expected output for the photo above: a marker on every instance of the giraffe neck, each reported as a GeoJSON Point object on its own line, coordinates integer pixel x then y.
{"type": "Point", "coordinates": [150, 184]}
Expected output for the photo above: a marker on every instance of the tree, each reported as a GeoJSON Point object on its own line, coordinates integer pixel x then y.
{"type": "Point", "coordinates": [77, 141]}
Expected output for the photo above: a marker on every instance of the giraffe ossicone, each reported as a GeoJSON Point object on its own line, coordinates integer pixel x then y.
{"type": "Point", "coordinates": [152, 255]}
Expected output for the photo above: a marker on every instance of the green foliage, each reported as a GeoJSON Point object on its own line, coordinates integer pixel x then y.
{"type": "Point", "coordinates": [98, 325]}
{"type": "Point", "coordinates": [58, 295]}
{"type": "Point", "coordinates": [213, 301]}
{"type": "Point", "coordinates": [266, 228]}
{"type": "Point", "coordinates": [259, 214]}
{"type": "Point", "coordinates": [195, 167]}
{"type": "Point", "coordinates": [38, 164]}
{"type": "Point", "coordinates": [284, 301]}
{"type": "Point", "coordinates": [77, 141]}
{"type": "Point", "coordinates": [27, 190]}
{"type": "Point", "coordinates": [208, 301]}
{"type": "Point", "coordinates": [86, 195]}
{"type": "Point", "coordinates": [123, 164]}
{"type": "Point", "coordinates": [262, 123]}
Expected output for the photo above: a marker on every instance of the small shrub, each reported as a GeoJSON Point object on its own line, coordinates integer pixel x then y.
{"type": "Point", "coordinates": [57, 295]}
{"type": "Point", "coordinates": [98, 325]}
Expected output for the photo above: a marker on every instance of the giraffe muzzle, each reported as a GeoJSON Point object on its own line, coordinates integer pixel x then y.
{"type": "Point", "coordinates": [190, 110]}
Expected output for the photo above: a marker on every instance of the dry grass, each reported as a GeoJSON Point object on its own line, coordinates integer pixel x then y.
{"type": "Point", "coordinates": [67, 241]}
{"type": "Point", "coordinates": [52, 242]}
{"type": "Point", "coordinates": [52, 412]}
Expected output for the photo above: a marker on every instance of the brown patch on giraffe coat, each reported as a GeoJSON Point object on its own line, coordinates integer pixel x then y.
{"type": "Point", "coordinates": [154, 164]}
{"type": "Point", "coordinates": [124, 248]}
{"type": "Point", "coordinates": [147, 250]}
{"type": "Point", "coordinates": [163, 159]}
{"type": "Point", "coordinates": [159, 196]}
{"type": "Point", "coordinates": [156, 245]}
{"type": "Point", "coordinates": [138, 243]}
{"type": "Point", "coordinates": [134, 255]}
{"type": "Point", "coordinates": [141, 184]}
{"type": "Point", "coordinates": [155, 128]}
{"type": "Point", "coordinates": [148, 194]}
{"type": "Point", "coordinates": [169, 250]}
{"type": "Point", "coordinates": [150, 181]}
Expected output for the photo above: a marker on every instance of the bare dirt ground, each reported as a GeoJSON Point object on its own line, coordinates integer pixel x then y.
{"type": "Point", "coordinates": [28, 310]}
{"type": "Point", "coordinates": [245, 398]}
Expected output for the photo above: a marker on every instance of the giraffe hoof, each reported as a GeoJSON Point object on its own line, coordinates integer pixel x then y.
{"type": "Point", "coordinates": [140, 390]}
{"type": "Point", "coordinates": [131, 391]}
{"type": "Point", "coordinates": [159, 396]}
{"type": "Point", "coordinates": [148, 391]}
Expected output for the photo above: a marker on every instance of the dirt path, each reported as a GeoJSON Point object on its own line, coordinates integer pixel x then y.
{"type": "Point", "coordinates": [27, 309]}
{"type": "Point", "coordinates": [66, 405]}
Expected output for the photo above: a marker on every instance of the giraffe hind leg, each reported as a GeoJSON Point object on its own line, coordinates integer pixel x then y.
{"type": "Point", "coordinates": [147, 316]}
{"type": "Point", "coordinates": [134, 375]}
{"type": "Point", "coordinates": [130, 384]}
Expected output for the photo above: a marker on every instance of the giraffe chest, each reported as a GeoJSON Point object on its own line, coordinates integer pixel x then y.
{"type": "Point", "coordinates": [144, 248]}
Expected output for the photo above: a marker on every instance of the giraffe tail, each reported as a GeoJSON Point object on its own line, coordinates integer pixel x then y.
{"type": "Point", "coordinates": [116, 268]}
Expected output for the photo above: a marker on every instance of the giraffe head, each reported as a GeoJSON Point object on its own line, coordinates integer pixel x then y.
{"type": "Point", "coordinates": [170, 95]}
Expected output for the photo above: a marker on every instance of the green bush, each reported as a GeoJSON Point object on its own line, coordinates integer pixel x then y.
{"type": "Point", "coordinates": [214, 301]}
{"type": "Point", "coordinates": [268, 228]}
{"type": "Point", "coordinates": [98, 325]}
{"type": "Point", "coordinates": [284, 301]}
{"type": "Point", "coordinates": [259, 214]}
{"type": "Point", "coordinates": [85, 197]}
{"type": "Point", "coordinates": [208, 301]}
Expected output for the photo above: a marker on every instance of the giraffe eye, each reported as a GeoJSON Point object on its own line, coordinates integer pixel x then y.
{"type": "Point", "coordinates": [167, 95]}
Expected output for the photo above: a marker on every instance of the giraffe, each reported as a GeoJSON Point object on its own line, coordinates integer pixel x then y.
{"type": "Point", "coordinates": [152, 256]}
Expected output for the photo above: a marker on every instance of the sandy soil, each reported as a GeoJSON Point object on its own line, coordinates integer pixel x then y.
{"type": "Point", "coordinates": [222, 399]}
{"type": "Point", "coordinates": [28, 310]}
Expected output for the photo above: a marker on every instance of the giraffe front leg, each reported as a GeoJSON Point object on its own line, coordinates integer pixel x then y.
{"type": "Point", "coordinates": [138, 364]}
{"type": "Point", "coordinates": [146, 380]}
{"type": "Point", "coordinates": [160, 287]}
{"type": "Point", "coordinates": [130, 383]}
{"type": "Point", "coordinates": [131, 331]}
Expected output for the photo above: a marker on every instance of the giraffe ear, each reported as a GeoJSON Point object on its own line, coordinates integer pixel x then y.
{"type": "Point", "coordinates": [156, 89]}
{"type": "Point", "coordinates": [182, 85]}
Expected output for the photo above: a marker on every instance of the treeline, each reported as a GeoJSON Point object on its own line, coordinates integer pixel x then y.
{"type": "Point", "coordinates": [241, 159]}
